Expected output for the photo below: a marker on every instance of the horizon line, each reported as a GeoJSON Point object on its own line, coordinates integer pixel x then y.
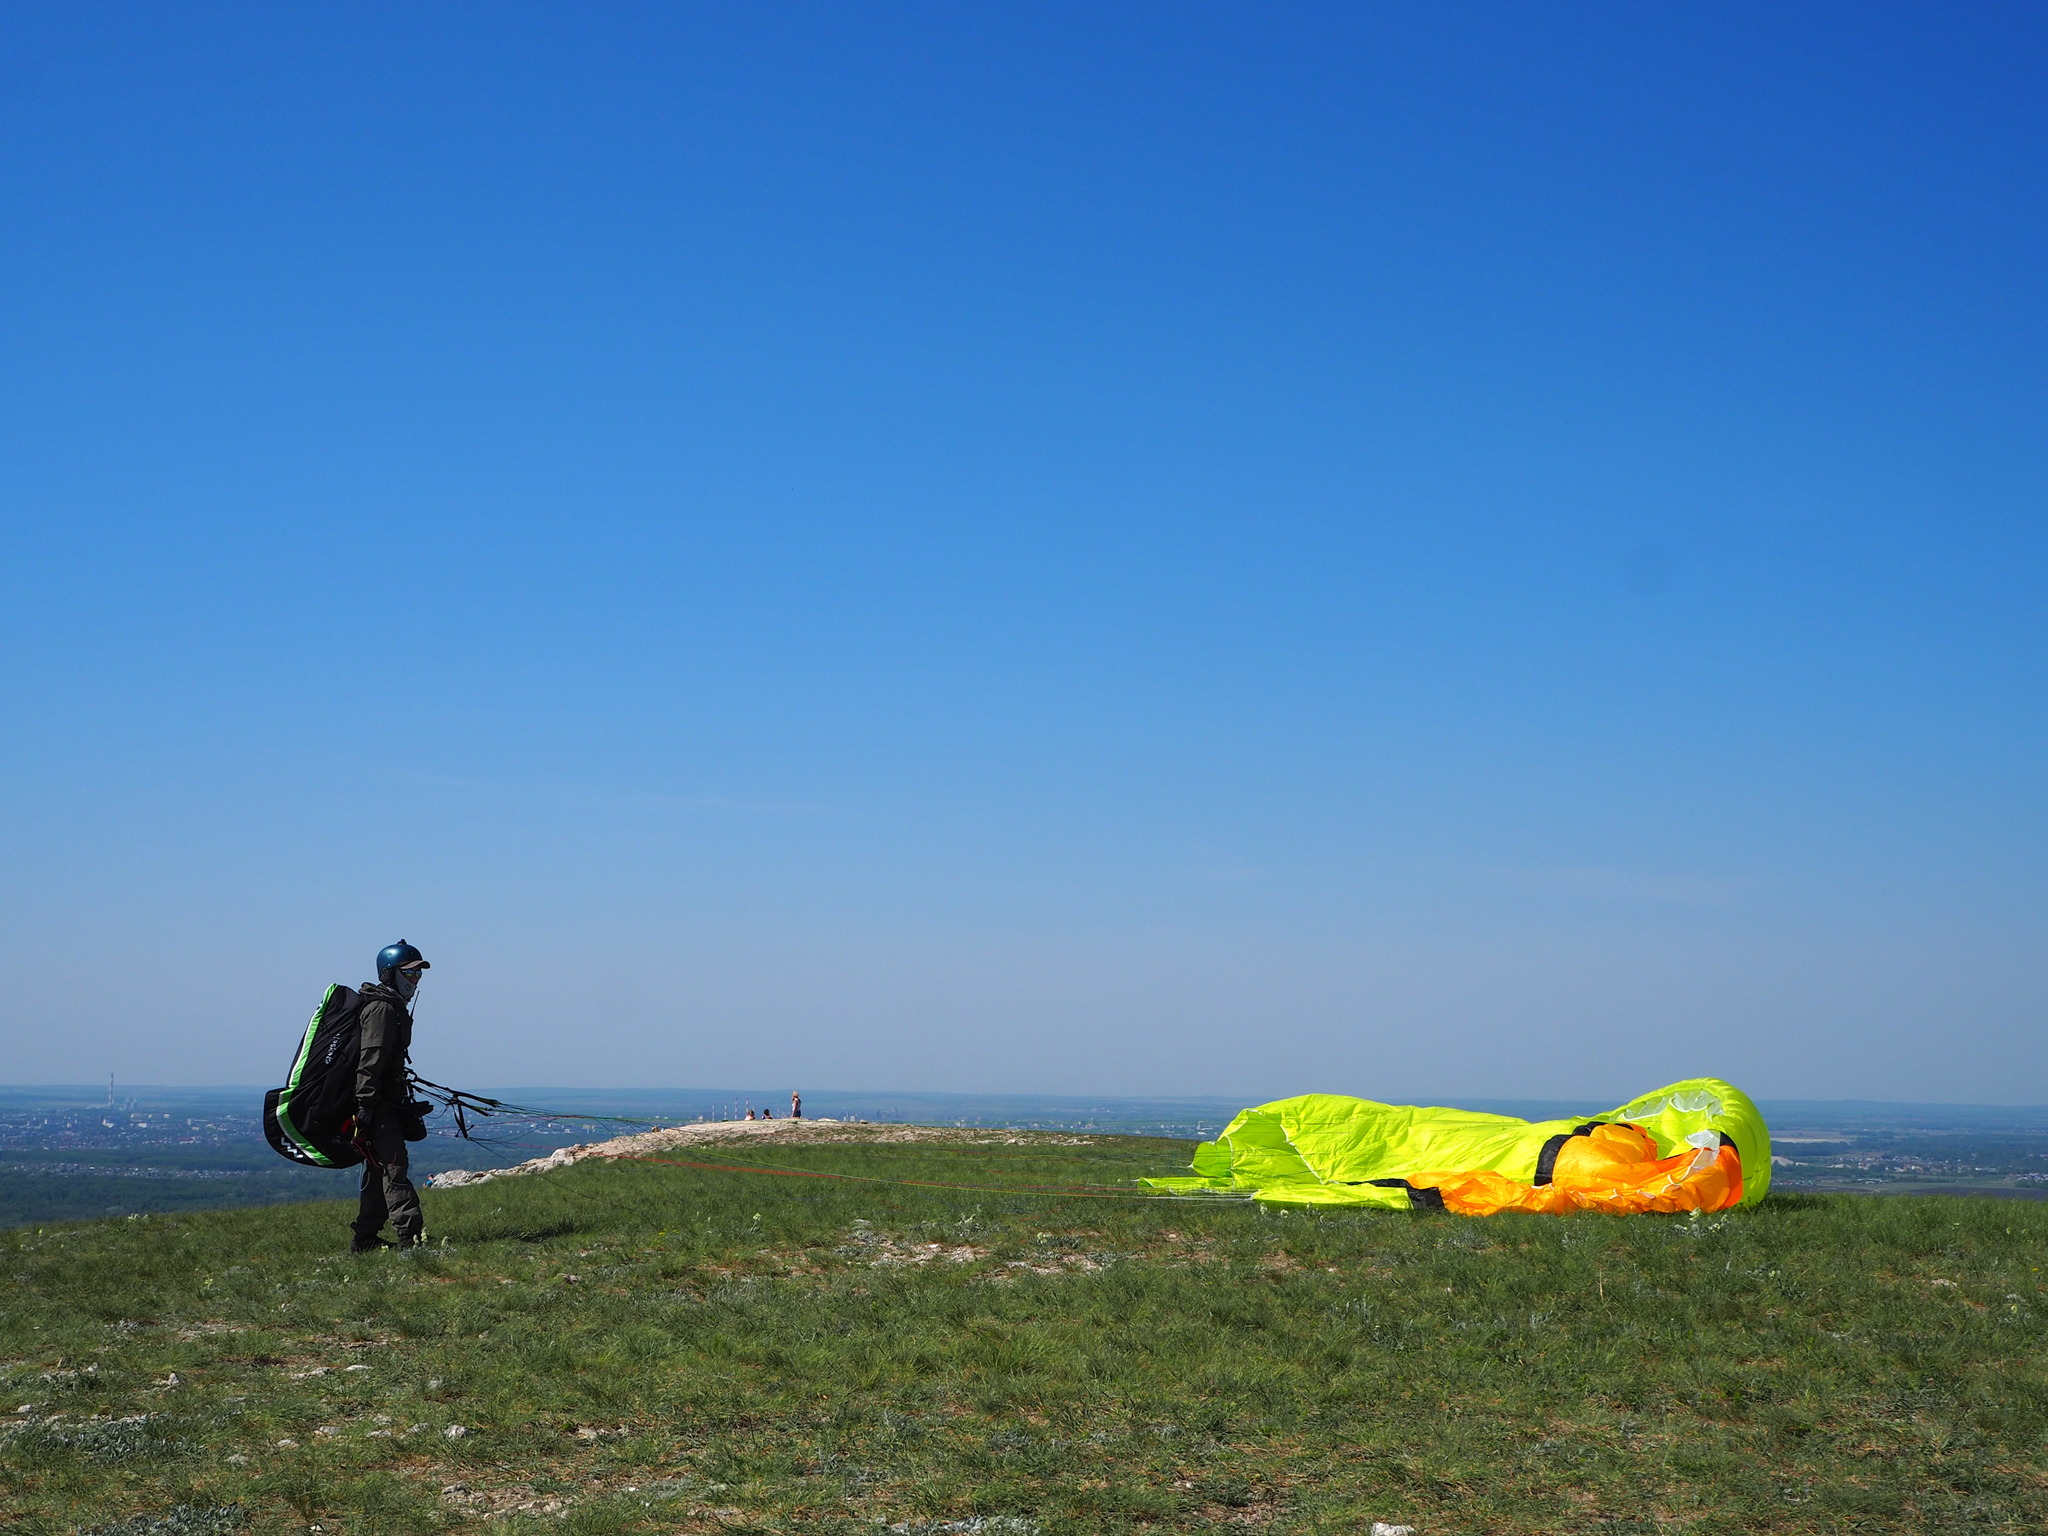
{"type": "Point", "coordinates": [973, 1093]}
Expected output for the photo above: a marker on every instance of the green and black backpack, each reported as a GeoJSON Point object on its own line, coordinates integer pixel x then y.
{"type": "Point", "coordinates": [311, 1119]}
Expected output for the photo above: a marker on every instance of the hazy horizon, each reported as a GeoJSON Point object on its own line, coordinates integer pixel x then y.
{"type": "Point", "coordinates": [776, 1098]}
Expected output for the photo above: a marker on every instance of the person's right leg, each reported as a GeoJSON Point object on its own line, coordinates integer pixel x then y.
{"type": "Point", "coordinates": [370, 1211]}
{"type": "Point", "coordinates": [401, 1201]}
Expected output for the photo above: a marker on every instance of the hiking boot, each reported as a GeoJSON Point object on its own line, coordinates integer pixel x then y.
{"type": "Point", "coordinates": [367, 1245]}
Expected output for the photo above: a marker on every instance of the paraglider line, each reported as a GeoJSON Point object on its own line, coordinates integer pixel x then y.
{"type": "Point", "coordinates": [1057, 1190]}
{"type": "Point", "coordinates": [466, 1104]}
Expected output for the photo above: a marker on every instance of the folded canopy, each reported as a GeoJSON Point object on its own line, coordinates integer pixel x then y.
{"type": "Point", "coordinates": [1699, 1145]}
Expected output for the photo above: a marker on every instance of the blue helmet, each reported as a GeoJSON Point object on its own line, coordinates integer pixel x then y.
{"type": "Point", "coordinates": [393, 958]}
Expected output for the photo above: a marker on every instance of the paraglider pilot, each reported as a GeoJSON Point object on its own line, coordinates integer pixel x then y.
{"type": "Point", "coordinates": [383, 1105]}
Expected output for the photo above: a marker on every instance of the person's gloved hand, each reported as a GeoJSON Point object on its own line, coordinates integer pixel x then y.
{"type": "Point", "coordinates": [359, 1137]}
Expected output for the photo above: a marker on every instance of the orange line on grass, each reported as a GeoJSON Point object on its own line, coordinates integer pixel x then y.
{"type": "Point", "coordinates": [862, 1178]}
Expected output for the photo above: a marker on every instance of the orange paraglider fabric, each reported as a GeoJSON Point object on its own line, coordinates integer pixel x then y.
{"type": "Point", "coordinates": [1696, 1145]}
{"type": "Point", "coordinates": [1611, 1168]}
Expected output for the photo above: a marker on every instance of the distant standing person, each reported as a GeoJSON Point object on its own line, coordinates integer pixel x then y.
{"type": "Point", "coordinates": [796, 1106]}
{"type": "Point", "coordinates": [382, 1103]}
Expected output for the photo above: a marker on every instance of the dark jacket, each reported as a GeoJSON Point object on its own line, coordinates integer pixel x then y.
{"type": "Point", "coordinates": [385, 1040]}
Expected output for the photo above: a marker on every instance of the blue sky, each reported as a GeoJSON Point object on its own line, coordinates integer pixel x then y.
{"type": "Point", "coordinates": [1176, 548]}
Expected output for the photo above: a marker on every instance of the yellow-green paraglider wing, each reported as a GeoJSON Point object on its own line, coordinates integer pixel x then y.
{"type": "Point", "coordinates": [1660, 1151]}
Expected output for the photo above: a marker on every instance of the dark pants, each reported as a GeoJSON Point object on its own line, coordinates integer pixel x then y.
{"type": "Point", "coordinates": [387, 1192]}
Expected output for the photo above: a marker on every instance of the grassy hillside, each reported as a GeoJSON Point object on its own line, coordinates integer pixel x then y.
{"type": "Point", "coordinates": [642, 1347]}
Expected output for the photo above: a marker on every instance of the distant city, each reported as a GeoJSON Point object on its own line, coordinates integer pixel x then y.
{"type": "Point", "coordinates": [68, 1153]}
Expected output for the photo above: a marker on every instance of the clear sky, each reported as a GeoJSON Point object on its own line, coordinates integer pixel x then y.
{"type": "Point", "coordinates": [1182, 548]}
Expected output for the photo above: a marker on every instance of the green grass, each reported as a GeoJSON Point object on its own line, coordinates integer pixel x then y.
{"type": "Point", "coordinates": [644, 1348]}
